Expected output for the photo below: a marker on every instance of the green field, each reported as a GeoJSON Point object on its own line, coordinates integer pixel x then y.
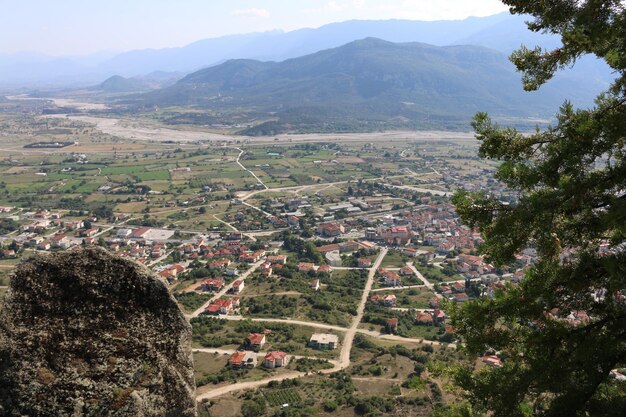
{"type": "Point", "coordinates": [284, 396]}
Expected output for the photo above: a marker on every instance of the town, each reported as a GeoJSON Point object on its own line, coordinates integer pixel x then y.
{"type": "Point", "coordinates": [287, 258]}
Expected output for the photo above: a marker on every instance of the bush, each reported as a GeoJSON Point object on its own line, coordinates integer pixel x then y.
{"type": "Point", "coordinates": [330, 406]}
{"type": "Point", "coordinates": [419, 368]}
{"type": "Point", "coordinates": [253, 408]}
{"type": "Point", "coordinates": [376, 370]}
{"type": "Point", "coordinates": [428, 348]}
{"type": "Point", "coordinates": [414, 382]}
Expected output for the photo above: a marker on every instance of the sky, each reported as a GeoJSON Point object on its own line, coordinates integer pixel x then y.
{"type": "Point", "coordinates": [79, 27]}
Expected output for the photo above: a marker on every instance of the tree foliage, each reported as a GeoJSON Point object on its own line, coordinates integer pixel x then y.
{"type": "Point", "coordinates": [563, 329]}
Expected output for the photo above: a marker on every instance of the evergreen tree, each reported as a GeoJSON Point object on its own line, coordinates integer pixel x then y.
{"type": "Point", "coordinates": [563, 329]}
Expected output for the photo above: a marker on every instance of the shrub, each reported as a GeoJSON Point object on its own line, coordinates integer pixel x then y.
{"type": "Point", "coordinates": [330, 406]}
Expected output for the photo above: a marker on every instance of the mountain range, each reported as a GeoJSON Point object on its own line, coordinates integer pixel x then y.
{"type": "Point", "coordinates": [502, 32]}
{"type": "Point", "coordinates": [365, 84]}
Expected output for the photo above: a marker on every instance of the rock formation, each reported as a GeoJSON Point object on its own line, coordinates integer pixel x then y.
{"type": "Point", "coordinates": [87, 333]}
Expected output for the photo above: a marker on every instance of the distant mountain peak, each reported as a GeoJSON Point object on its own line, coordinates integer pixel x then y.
{"type": "Point", "coordinates": [368, 81]}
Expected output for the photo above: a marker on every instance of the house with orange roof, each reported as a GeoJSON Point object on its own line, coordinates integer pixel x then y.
{"type": "Point", "coordinates": [277, 259]}
{"type": "Point", "coordinates": [275, 359]}
{"type": "Point", "coordinates": [406, 271]}
{"type": "Point", "coordinates": [255, 341]}
{"type": "Point", "coordinates": [387, 300]}
{"type": "Point", "coordinates": [307, 266]}
{"type": "Point", "coordinates": [424, 317]}
{"type": "Point", "coordinates": [328, 248]}
{"type": "Point", "coordinates": [212, 284]}
{"type": "Point", "coordinates": [221, 306]}
{"type": "Point", "coordinates": [391, 279]}
{"type": "Point", "coordinates": [243, 359]}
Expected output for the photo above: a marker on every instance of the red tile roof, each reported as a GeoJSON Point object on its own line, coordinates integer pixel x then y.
{"type": "Point", "coordinates": [272, 356]}
{"type": "Point", "coordinates": [256, 338]}
{"type": "Point", "coordinates": [237, 358]}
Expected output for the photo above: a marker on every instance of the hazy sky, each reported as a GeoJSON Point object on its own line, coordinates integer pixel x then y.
{"type": "Point", "coordinates": [68, 27]}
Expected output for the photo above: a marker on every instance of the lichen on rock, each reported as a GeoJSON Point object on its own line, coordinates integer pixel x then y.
{"type": "Point", "coordinates": [87, 333]}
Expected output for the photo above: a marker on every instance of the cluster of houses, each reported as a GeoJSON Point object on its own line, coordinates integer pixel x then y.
{"type": "Point", "coordinates": [472, 266]}
{"type": "Point", "coordinates": [222, 306]}
{"type": "Point", "coordinates": [435, 317]}
{"type": "Point", "coordinates": [48, 231]}
{"type": "Point", "coordinates": [454, 291]}
{"type": "Point", "coordinates": [141, 251]}
{"type": "Point", "coordinates": [66, 233]}
{"type": "Point", "coordinates": [275, 359]}
{"type": "Point", "coordinates": [74, 233]}
{"type": "Point", "coordinates": [394, 236]}
{"type": "Point", "coordinates": [249, 359]}
{"type": "Point", "coordinates": [311, 267]}
{"type": "Point", "coordinates": [171, 272]}
{"type": "Point", "coordinates": [393, 278]}
{"type": "Point", "coordinates": [330, 229]}
{"type": "Point", "coordinates": [346, 247]}
{"type": "Point", "coordinates": [385, 300]}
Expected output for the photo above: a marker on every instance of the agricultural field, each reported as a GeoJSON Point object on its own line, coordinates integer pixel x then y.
{"type": "Point", "coordinates": [281, 397]}
{"type": "Point", "coordinates": [417, 298]}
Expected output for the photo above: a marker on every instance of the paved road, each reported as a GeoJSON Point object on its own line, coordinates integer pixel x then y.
{"type": "Point", "coordinates": [226, 223]}
{"type": "Point", "coordinates": [346, 268]}
{"type": "Point", "coordinates": [344, 357]}
{"type": "Point", "coordinates": [313, 324]}
{"type": "Point", "coordinates": [401, 339]}
{"type": "Point", "coordinates": [260, 210]}
{"type": "Point", "coordinates": [217, 392]}
{"type": "Point", "coordinates": [226, 289]}
{"type": "Point", "coordinates": [156, 261]}
{"type": "Point", "coordinates": [406, 287]}
{"type": "Point", "coordinates": [427, 283]}
{"type": "Point", "coordinates": [259, 354]}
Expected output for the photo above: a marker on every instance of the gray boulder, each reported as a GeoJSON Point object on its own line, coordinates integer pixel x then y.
{"type": "Point", "coordinates": [87, 333]}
